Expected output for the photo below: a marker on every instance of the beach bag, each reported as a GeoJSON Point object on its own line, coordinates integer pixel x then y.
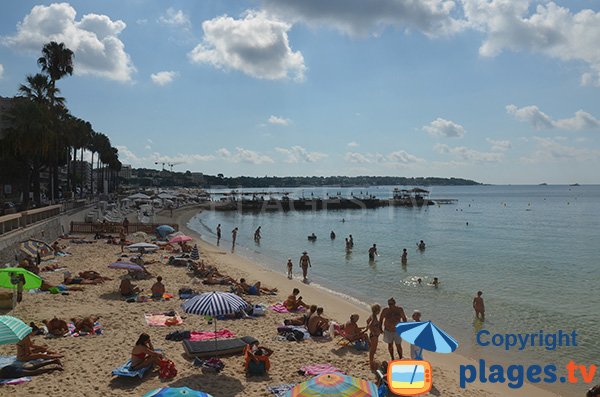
{"type": "Point", "coordinates": [258, 310]}
{"type": "Point", "coordinates": [361, 345]}
{"type": "Point", "coordinates": [167, 369]}
{"type": "Point", "coordinates": [256, 368]}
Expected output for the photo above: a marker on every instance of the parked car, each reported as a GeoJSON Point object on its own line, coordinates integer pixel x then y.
{"type": "Point", "coordinates": [8, 208]}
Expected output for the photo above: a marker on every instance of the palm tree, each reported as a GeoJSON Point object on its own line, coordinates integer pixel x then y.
{"type": "Point", "coordinates": [56, 61]}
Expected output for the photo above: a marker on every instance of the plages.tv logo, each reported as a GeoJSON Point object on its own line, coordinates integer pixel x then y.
{"type": "Point", "coordinates": [414, 377]}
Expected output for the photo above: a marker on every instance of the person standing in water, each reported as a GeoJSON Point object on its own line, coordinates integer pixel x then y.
{"type": "Point", "coordinates": [479, 306]}
{"type": "Point", "coordinates": [305, 264]}
{"type": "Point", "coordinates": [257, 235]}
{"type": "Point", "coordinates": [373, 252]}
{"type": "Point", "coordinates": [351, 241]}
{"type": "Point", "coordinates": [234, 233]}
{"type": "Point", "coordinates": [404, 256]}
{"type": "Point", "coordinates": [332, 235]}
{"type": "Point", "coordinates": [218, 233]}
{"type": "Point", "coordinates": [421, 245]}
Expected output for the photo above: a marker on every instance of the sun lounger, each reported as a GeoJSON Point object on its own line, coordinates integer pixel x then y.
{"type": "Point", "coordinates": [126, 371]}
{"type": "Point", "coordinates": [223, 347]}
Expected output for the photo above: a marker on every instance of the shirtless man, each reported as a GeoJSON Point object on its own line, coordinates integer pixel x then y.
{"type": "Point", "coordinates": [391, 316]}
{"type": "Point", "coordinates": [127, 289]}
{"type": "Point", "coordinates": [373, 252]}
{"type": "Point", "coordinates": [479, 306]}
{"type": "Point", "coordinates": [85, 324]}
{"type": "Point", "coordinates": [404, 258]}
{"type": "Point", "coordinates": [317, 324]}
{"type": "Point", "coordinates": [158, 288]}
{"type": "Point", "coordinates": [56, 326]}
{"type": "Point", "coordinates": [305, 264]}
{"type": "Point", "coordinates": [234, 234]}
{"type": "Point", "coordinates": [352, 331]}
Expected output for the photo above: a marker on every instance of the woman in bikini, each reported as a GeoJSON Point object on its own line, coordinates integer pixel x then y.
{"type": "Point", "coordinates": [143, 354]}
{"type": "Point", "coordinates": [374, 327]}
{"type": "Point", "coordinates": [27, 351]}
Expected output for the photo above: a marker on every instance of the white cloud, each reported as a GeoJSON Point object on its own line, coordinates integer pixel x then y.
{"type": "Point", "coordinates": [355, 17]}
{"type": "Point", "coordinates": [540, 120]}
{"type": "Point", "coordinates": [352, 144]}
{"type": "Point", "coordinates": [1, 70]}
{"type": "Point", "coordinates": [548, 29]}
{"type": "Point", "coordinates": [499, 145]}
{"type": "Point", "coordinates": [93, 39]}
{"type": "Point", "coordinates": [398, 157]}
{"type": "Point", "coordinates": [548, 150]}
{"type": "Point", "coordinates": [256, 45]}
{"type": "Point", "coordinates": [444, 128]}
{"type": "Point", "coordinates": [127, 156]}
{"type": "Point", "coordinates": [242, 155]}
{"type": "Point", "coordinates": [181, 158]}
{"type": "Point", "coordinates": [176, 18]}
{"type": "Point", "coordinates": [467, 154]}
{"type": "Point", "coordinates": [163, 78]}
{"type": "Point", "coordinates": [278, 120]}
{"type": "Point", "coordinates": [148, 147]}
{"type": "Point", "coordinates": [402, 157]}
{"type": "Point", "coordinates": [150, 141]}
{"type": "Point", "coordinates": [354, 157]}
{"type": "Point", "coordinates": [297, 154]}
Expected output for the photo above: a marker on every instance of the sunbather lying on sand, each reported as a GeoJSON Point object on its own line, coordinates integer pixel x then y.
{"type": "Point", "coordinates": [213, 280]}
{"type": "Point", "coordinates": [92, 275]}
{"type": "Point", "coordinates": [61, 287]}
{"type": "Point", "coordinates": [255, 289]}
{"type": "Point", "coordinates": [85, 324]}
{"type": "Point", "coordinates": [78, 280]}
{"type": "Point", "coordinates": [31, 369]}
{"type": "Point", "coordinates": [56, 326]}
{"type": "Point", "coordinates": [302, 320]}
{"type": "Point", "coordinates": [27, 351]}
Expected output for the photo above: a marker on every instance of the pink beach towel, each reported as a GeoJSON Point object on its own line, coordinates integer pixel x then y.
{"type": "Point", "coordinates": [319, 369]}
{"type": "Point", "coordinates": [279, 308]}
{"type": "Point", "coordinates": [160, 320]}
{"type": "Point", "coordinates": [220, 334]}
{"type": "Point", "coordinates": [97, 330]}
{"type": "Point", "coordinates": [16, 381]}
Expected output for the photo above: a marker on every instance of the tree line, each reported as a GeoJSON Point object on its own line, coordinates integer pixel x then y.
{"type": "Point", "coordinates": [40, 135]}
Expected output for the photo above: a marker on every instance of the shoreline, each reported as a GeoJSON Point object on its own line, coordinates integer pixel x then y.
{"type": "Point", "coordinates": [446, 367]}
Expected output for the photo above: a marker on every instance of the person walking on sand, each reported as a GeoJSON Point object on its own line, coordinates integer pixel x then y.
{"type": "Point", "coordinates": [479, 306]}
{"type": "Point", "coordinates": [290, 265]}
{"type": "Point", "coordinates": [305, 264]}
{"type": "Point", "coordinates": [373, 252]}
{"type": "Point", "coordinates": [218, 233]}
{"type": "Point", "coordinates": [390, 317]}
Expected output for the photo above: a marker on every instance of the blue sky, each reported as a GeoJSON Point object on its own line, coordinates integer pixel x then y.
{"type": "Point", "coordinates": [500, 91]}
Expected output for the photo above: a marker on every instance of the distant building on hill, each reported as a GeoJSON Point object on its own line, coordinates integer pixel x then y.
{"type": "Point", "coordinates": [126, 172]}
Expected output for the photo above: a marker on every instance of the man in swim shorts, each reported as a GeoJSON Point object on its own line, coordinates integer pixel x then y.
{"type": "Point", "coordinates": [391, 316]}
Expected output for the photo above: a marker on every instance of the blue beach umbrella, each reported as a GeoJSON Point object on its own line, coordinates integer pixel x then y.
{"type": "Point", "coordinates": [12, 330]}
{"type": "Point", "coordinates": [175, 392]}
{"type": "Point", "coordinates": [163, 230]}
{"type": "Point", "coordinates": [428, 336]}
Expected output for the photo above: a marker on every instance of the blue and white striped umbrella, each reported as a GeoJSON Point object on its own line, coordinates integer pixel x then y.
{"type": "Point", "coordinates": [428, 336]}
{"type": "Point", "coordinates": [12, 330]}
{"type": "Point", "coordinates": [195, 255]}
{"type": "Point", "coordinates": [214, 304]}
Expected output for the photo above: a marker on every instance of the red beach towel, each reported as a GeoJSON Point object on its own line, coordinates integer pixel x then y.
{"type": "Point", "coordinates": [220, 334]}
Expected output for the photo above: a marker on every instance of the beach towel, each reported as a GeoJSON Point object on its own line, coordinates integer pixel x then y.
{"type": "Point", "coordinates": [220, 334]}
{"type": "Point", "coordinates": [161, 320]}
{"type": "Point", "coordinates": [280, 390]}
{"type": "Point", "coordinates": [279, 308]}
{"type": "Point", "coordinates": [16, 381]}
{"type": "Point", "coordinates": [319, 369]}
{"type": "Point", "coordinates": [125, 370]}
{"type": "Point", "coordinates": [98, 330]}
{"type": "Point", "coordinates": [8, 360]}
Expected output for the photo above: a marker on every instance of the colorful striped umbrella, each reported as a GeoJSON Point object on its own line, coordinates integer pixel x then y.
{"type": "Point", "coordinates": [334, 384]}
{"type": "Point", "coordinates": [176, 392]}
{"type": "Point", "coordinates": [195, 255]}
{"type": "Point", "coordinates": [12, 330]}
{"type": "Point", "coordinates": [32, 247]}
{"type": "Point", "coordinates": [428, 336]}
{"type": "Point", "coordinates": [9, 278]}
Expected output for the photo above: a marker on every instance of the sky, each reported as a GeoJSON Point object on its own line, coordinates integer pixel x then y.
{"type": "Point", "coordinates": [499, 91]}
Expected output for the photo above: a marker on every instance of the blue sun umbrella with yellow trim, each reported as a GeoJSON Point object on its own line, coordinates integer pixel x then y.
{"type": "Point", "coordinates": [428, 336]}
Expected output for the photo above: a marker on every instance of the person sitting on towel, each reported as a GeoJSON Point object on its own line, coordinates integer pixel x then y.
{"type": "Point", "coordinates": [158, 289]}
{"type": "Point", "coordinates": [127, 288]}
{"type": "Point", "coordinates": [257, 359]}
{"type": "Point", "coordinates": [56, 326]}
{"type": "Point", "coordinates": [143, 354]}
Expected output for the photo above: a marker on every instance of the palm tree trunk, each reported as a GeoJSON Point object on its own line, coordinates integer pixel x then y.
{"type": "Point", "coordinates": [82, 175]}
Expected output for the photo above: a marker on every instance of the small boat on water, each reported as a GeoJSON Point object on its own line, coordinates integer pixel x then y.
{"type": "Point", "coordinates": [415, 197]}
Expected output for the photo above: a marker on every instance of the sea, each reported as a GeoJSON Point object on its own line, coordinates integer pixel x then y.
{"type": "Point", "coordinates": [532, 250]}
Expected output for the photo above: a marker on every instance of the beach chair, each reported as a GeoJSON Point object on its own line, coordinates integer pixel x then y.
{"type": "Point", "coordinates": [344, 341]}
{"type": "Point", "coordinates": [126, 371]}
{"type": "Point", "coordinates": [208, 348]}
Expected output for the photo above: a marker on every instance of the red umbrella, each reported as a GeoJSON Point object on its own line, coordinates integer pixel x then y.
{"type": "Point", "coordinates": [180, 239]}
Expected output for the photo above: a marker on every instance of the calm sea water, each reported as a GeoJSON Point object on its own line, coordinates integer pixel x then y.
{"type": "Point", "coordinates": [532, 250]}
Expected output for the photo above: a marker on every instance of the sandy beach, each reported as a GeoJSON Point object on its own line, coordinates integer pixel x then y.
{"type": "Point", "coordinates": [89, 360]}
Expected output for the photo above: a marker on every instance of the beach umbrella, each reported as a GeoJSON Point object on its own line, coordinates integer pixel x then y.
{"type": "Point", "coordinates": [334, 384]}
{"type": "Point", "coordinates": [427, 335]}
{"type": "Point", "coordinates": [215, 303]}
{"type": "Point", "coordinates": [176, 392]}
{"type": "Point", "coordinates": [163, 230]}
{"type": "Point", "coordinates": [180, 239]}
{"type": "Point", "coordinates": [139, 196]}
{"type": "Point", "coordinates": [143, 246]}
{"type": "Point", "coordinates": [9, 278]}
{"type": "Point", "coordinates": [32, 247]}
{"type": "Point", "coordinates": [195, 255]}
{"type": "Point", "coordinates": [123, 265]}
{"type": "Point", "coordinates": [12, 330]}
